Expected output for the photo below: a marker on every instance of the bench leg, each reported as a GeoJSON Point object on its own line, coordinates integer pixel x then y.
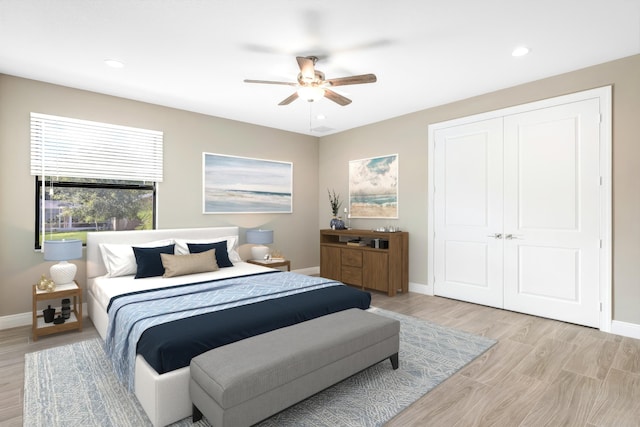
{"type": "Point", "coordinates": [196, 415]}
{"type": "Point", "coordinates": [394, 361]}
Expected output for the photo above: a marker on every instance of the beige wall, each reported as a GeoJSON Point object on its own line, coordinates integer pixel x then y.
{"type": "Point", "coordinates": [407, 136]}
{"type": "Point", "coordinates": [186, 136]}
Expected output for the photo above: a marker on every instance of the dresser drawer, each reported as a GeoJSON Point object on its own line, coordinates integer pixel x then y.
{"type": "Point", "coordinates": [352, 275]}
{"type": "Point", "coordinates": [352, 257]}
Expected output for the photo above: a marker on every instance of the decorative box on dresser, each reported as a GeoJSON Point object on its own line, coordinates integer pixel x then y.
{"type": "Point", "coordinates": [380, 269]}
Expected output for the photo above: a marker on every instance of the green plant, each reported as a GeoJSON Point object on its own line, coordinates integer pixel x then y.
{"type": "Point", "coordinates": [334, 200]}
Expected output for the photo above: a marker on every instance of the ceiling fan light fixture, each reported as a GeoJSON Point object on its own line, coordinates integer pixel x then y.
{"type": "Point", "coordinates": [520, 51]}
{"type": "Point", "coordinates": [310, 93]}
{"type": "Point", "coordinates": [114, 63]}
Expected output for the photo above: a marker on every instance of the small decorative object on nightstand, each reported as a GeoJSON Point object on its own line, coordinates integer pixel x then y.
{"type": "Point", "coordinates": [48, 314]}
{"type": "Point", "coordinates": [46, 284]}
{"type": "Point", "coordinates": [51, 325]}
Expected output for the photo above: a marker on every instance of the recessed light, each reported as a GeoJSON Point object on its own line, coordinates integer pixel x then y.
{"type": "Point", "coordinates": [520, 51]}
{"type": "Point", "coordinates": [321, 117]}
{"type": "Point", "coordinates": [114, 63]}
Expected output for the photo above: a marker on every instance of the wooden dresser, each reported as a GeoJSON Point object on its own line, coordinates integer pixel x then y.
{"type": "Point", "coordinates": [380, 269]}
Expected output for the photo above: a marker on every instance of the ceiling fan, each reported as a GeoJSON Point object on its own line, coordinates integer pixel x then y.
{"type": "Point", "coordinates": [312, 85]}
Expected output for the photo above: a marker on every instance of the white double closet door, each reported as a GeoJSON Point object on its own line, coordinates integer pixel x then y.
{"type": "Point", "coordinates": [517, 212]}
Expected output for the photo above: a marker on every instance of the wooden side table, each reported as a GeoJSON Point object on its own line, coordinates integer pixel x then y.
{"type": "Point", "coordinates": [40, 328]}
{"type": "Point", "coordinates": [272, 264]}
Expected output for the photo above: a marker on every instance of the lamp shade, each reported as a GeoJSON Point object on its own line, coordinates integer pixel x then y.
{"type": "Point", "coordinates": [62, 250]}
{"type": "Point", "coordinates": [260, 237]}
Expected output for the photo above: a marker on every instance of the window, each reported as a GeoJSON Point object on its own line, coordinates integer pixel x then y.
{"type": "Point", "coordinates": [92, 177]}
{"type": "Point", "coordinates": [71, 208]}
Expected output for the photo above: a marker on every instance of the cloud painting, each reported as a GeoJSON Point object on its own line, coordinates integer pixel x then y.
{"type": "Point", "coordinates": [373, 187]}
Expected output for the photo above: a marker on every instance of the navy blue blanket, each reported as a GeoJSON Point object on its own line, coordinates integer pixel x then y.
{"type": "Point", "coordinates": [172, 345]}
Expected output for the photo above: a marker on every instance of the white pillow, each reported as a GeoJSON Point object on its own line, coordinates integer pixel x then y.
{"type": "Point", "coordinates": [232, 243]}
{"type": "Point", "coordinates": [119, 259]}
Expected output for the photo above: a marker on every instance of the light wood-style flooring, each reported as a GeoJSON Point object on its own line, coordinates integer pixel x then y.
{"type": "Point", "coordinates": [540, 373]}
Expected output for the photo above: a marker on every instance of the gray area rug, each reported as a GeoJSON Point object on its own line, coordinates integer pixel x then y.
{"type": "Point", "coordinates": [74, 385]}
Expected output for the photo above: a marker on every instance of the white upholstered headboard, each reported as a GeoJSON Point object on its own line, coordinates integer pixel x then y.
{"type": "Point", "coordinates": [95, 266]}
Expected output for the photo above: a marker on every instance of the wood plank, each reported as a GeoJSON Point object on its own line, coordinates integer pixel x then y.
{"type": "Point", "coordinates": [567, 402]}
{"type": "Point", "coordinates": [618, 403]}
{"type": "Point", "coordinates": [547, 360]}
{"type": "Point", "coordinates": [507, 404]}
{"type": "Point", "coordinates": [496, 363]}
{"type": "Point", "coordinates": [628, 356]}
{"type": "Point", "coordinates": [444, 404]}
{"type": "Point", "coordinates": [593, 359]}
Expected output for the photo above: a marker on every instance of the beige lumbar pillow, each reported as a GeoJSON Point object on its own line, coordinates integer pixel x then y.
{"type": "Point", "coordinates": [179, 265]}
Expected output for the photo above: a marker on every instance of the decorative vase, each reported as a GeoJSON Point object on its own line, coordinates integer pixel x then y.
{"type": "Point", "coordinates": [337, 223]}
{"type": "Point", "coordinates": [66, 308]}
{"type": "Point", "coordinates": [48, 314]}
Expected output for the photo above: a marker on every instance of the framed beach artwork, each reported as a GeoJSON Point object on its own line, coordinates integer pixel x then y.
{"type": "Point", "coordinates": [245, 185]}
{"type": "Point", "coordinates": [373, 187]}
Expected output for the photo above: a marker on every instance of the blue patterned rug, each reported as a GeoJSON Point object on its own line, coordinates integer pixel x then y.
{"type": "Point", "coordinates": [73, 385]}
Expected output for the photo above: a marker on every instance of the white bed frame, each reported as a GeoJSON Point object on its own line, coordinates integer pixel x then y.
{"type": "Point", "coordinates": [165, 398]}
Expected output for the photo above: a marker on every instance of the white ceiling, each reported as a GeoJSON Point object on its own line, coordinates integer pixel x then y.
{"type": "Point", "coordinates": [195, 54]}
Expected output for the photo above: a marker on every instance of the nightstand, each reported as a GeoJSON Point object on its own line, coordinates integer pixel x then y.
{"type": "Point", "coordinates": [74, 322]}
{"type": "Point", "coordinates": [272, 264]}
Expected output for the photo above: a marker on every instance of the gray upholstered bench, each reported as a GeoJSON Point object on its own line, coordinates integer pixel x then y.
{"type": "Point", "coordinates": [247, 381]}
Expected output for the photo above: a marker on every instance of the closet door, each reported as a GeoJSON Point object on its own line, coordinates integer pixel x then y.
{"type": "Point", "coordinates": [468, 218]}
{"type": "Point", "coordinates": [552, 190]}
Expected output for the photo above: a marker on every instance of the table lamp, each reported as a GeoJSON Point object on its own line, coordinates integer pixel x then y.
{"type": "Point", "coordinates": [260, 238]}
{"type": "Point", "coordinates": [62, 250]}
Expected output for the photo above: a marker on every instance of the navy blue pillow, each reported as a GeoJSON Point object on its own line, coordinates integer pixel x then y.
{"type": "Point", "coordinates": [222, 257]}
{"type": "Point", "coordinates": [149, 261]}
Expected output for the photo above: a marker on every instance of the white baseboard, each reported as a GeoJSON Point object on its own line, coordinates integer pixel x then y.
{"type": "Point", "coordinates": [15, 320]}
{"type": "Point", "coordinates": [631, 330]}
{"type": "Point", "coordinates": [25, 319]}
{"type": "Point", "coordinates": [419, 288]}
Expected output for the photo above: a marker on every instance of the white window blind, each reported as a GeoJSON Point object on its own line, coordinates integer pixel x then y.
{"type": "Point", "coordinates": [65, 147]}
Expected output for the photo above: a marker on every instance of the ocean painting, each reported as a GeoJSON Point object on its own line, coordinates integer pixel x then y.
{"type": "Point", "coordinates": [373, 187]}
{"type": "Point", "coordinates": [245, 185]}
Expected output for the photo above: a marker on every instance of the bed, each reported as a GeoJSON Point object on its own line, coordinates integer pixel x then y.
{"type": "Point", "coordinates": [247, 299]}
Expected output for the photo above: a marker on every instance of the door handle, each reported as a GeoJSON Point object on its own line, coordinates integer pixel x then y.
{"type": "Point", "coordinates": [512, 236]}
{"type": "Point", "coordinates": [496, 236]}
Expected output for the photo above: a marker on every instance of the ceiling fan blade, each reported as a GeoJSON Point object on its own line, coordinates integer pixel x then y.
{"type": "Point", "coordinates": [353, 80]}
{"type": "Point", "coordinates": [306, 67]}
{"type": "Point", "coordinates": [270, 82]}
{"type": "Point", "coordinates": [337, 98]}
{"type": "Point", "coordinates": [290, 99]}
